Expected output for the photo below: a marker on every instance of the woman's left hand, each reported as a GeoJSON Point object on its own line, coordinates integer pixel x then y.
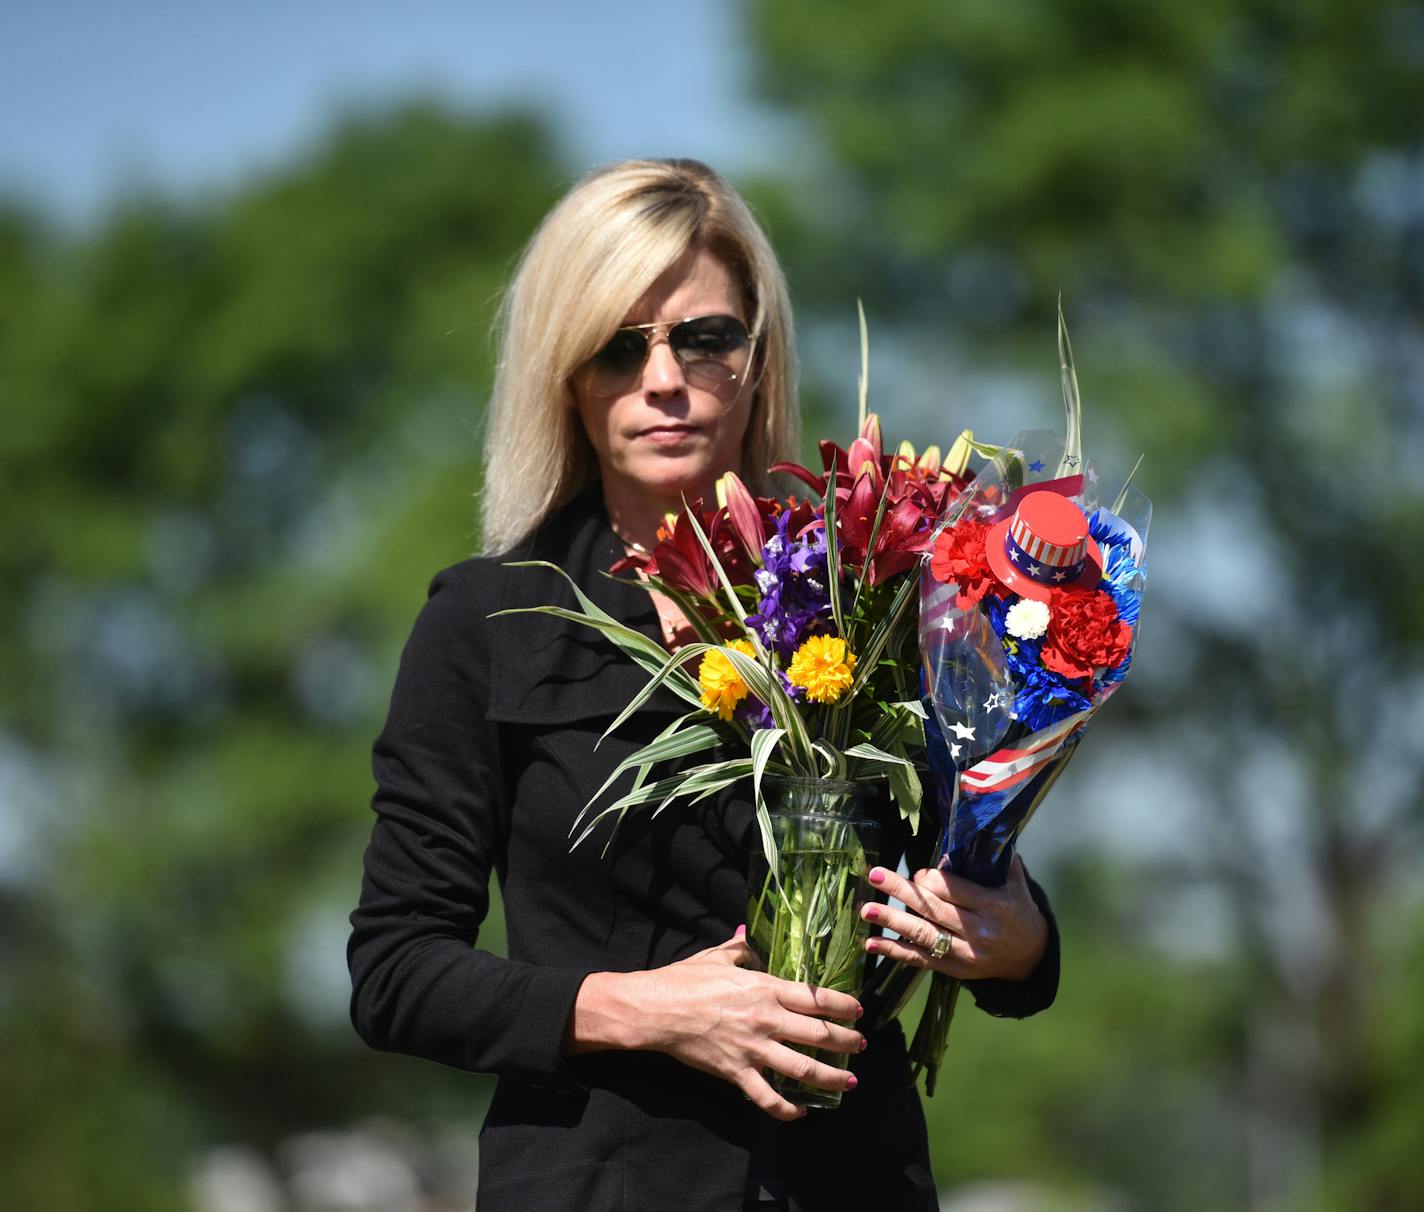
{"type": "Point", "coordinates": [993, 932]}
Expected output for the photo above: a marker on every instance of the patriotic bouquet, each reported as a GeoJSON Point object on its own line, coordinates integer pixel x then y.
{"type": "Point", "coordinates": [1029, 606]}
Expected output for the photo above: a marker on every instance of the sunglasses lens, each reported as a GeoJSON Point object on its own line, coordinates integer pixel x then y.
{"type": "Point", "coordinates": [712, 349]}
{"type": "Point", "coordinates": [709, 337]}
{"type": "Point", "coordinates": [620, 360]}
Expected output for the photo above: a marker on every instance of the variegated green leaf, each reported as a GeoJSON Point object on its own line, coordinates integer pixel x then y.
{"type": "Point", "coordinates": [905, 790]}
{"type": "Point", "coordinates": [665, 789]}
{"type": "Point", "coordinates": [715, 776]}
{"type": "Point", "coordinates": [669, 670]}
{"type": "Point", "coordinates": [764, 743]}
{"type": "Point", "coordinates": [904, 779]}
{"type": "Point", "coordinates": [875, 754]}
{"type": "Point", "coordinates": [863, 387]}
{"type": "Point", "coordinates": [1072, 461]}
{"type": "Point", "coordinates": [664, 748]}
{"type": "Point", "coordinates": [1126, 484]}
{"type": "Point", "coordinates": [833, 556]}
{"type": "Point", "coordinates": [880, 636]}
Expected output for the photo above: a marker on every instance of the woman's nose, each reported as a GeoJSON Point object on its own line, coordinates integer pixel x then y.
{"type": "Point", "coordinates": [663, 374]}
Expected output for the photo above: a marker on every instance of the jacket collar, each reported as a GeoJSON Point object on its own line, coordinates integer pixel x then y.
{"type": "Point", "coordinates": [546, 670]}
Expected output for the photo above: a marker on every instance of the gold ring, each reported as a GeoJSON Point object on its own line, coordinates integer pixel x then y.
{"type": "Point", "coordinates": [943, 941]}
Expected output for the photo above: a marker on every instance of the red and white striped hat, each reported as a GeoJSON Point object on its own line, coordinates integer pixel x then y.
{"type": "Point", "coordinates": [1043, 547]}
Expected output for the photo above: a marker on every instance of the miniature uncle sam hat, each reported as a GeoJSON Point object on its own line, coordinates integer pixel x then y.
{"type": "Point", "coordinates": [1043, 547]}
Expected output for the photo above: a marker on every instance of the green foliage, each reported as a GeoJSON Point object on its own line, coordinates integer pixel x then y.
{"type": "Point", "coordinates": [239, 440]}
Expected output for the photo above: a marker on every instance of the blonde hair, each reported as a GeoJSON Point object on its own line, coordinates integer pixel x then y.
{"type": "Point", "coordinates": [592, 258]}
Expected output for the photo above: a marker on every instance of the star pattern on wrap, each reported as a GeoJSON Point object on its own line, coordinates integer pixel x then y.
{"type": "Point", "coordinates": [1036, 465]}
{"type": "Point", "coordinates": [963, 731]}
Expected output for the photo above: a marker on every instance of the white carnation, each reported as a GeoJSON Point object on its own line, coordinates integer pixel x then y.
{"type": "Point", "coordinates": [1026, 619]}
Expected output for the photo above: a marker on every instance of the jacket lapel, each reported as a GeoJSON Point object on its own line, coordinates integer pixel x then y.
{"type": "Point", "coordinates": [546, 670]}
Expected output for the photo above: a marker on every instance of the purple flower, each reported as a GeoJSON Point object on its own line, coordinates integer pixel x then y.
{"type": "Point", "coordinates": [795, 599]}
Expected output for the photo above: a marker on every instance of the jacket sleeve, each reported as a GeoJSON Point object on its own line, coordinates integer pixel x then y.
{"type": "Point", "coordinates": [1019, 999]}
{"type": "Point", "coordinates": [419, 983]}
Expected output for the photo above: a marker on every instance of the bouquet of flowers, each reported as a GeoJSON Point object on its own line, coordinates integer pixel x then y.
{"type": "Point", "coordinates": [805, 678]}
{"type": "Point", "coordinates": [815, 669]}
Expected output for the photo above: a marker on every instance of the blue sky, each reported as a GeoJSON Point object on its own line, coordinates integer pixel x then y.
{"type": "Point", "coordinates": [97, 95]}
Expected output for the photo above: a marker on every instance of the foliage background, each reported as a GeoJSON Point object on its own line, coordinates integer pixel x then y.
{"type": "Point", "coordinates": [240, 432]}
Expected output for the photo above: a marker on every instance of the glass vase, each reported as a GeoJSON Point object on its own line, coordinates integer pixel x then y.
{"type": "Point", "coordinates": [803, 918]}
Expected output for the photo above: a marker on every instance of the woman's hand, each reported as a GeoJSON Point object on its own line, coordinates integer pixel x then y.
{"type": "Point", "coordinates": [994, 932]}
{"type": "Point", "coordinates": [713, 1011]}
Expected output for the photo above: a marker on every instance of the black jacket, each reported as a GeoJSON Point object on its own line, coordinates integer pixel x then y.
{"type": "Point", "coordinates": [485, 759]}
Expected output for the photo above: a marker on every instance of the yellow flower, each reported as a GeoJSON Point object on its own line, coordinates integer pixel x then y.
{"type": "Point", "coordinates": [824, 667]}
{"type": "Point", "coordinates": [722, 689]}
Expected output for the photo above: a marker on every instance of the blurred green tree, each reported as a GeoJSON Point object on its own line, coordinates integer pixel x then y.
{"type": "Point", "coordinates": [238, 439]}
{"type": "Point", "coordinates": [1228, 197]}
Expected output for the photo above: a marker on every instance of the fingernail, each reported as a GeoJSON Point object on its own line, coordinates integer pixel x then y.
{"type": "Point", "coordinates": [859, 1010]}
{"type": "Point", "coordinates": [877, 875]}
{"type": "Point", "coordinates": [740, 931]}
{"type": "Point", "coordinates": [864, 1043]}
{"type": "Point", "coordinates": [851, 1083]}
{"type": "Point", "coordinates": [870, 912]}
{"type": "Point", "coordinates": [872, 944]}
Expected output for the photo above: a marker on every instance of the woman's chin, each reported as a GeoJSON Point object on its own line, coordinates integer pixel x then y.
{"type": "Point", "coordinates": [674, 479]}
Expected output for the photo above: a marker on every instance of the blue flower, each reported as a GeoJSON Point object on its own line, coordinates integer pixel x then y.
{"type": "Point", "coordinates": [1045, 698]}
{"type": "Point", "coordinates": [1123, 577]}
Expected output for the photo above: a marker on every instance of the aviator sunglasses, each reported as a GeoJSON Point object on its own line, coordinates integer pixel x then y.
{"type": "Point", "coordinates": [712, 351]}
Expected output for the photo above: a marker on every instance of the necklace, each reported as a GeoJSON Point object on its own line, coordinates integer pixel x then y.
{"type": "Point", "coordinates": [670, 626]}
{"type": "Point", "coordinates": [633, 544]}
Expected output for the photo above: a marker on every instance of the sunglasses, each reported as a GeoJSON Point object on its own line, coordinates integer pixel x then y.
{"type": "Point", "coordinates": [712, 351]}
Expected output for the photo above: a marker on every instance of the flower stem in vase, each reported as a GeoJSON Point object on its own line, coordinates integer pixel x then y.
{"type": "Point", "coordinates": [804, 918]}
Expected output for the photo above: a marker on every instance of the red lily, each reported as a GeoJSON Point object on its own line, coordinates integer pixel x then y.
{"type": "Point", "coordinates": [916, 490]}
{"type": "Point", "coordinates": [934, 483]}
{"type": "Point", "coordinates": [678, 558]}
{"type": "Point", "coordinates": [748, 516]}
{"type": "Point", "coordinates": [904, 532]}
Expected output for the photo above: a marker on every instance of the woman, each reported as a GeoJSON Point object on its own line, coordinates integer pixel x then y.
{"type": "Point", "coordinates": [646, 350]}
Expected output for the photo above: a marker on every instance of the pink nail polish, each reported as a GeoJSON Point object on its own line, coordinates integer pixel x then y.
{"type": "Point", "coordinates": [877, 875]}
{"type": "Point", "coordinates": [864, 1044]}
{"type": "Point", "coordinates": [740, 931]}
{"type": "Point", "coordinates": [871, 912]}
{"type": "Point", "coordinates": [851, 1083]}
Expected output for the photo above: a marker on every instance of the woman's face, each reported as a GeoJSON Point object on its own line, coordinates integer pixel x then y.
{"type": "Point", "coordinates": [664, 437]}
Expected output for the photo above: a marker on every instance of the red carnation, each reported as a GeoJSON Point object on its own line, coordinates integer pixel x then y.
{"type": "Point", "coordinates": [1084, 633]}
{"type": "Point", "coordinates": [958, 556]}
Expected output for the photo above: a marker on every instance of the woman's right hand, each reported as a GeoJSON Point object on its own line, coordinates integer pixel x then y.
{"type": "Point", "coordinates": [716, 1012]}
